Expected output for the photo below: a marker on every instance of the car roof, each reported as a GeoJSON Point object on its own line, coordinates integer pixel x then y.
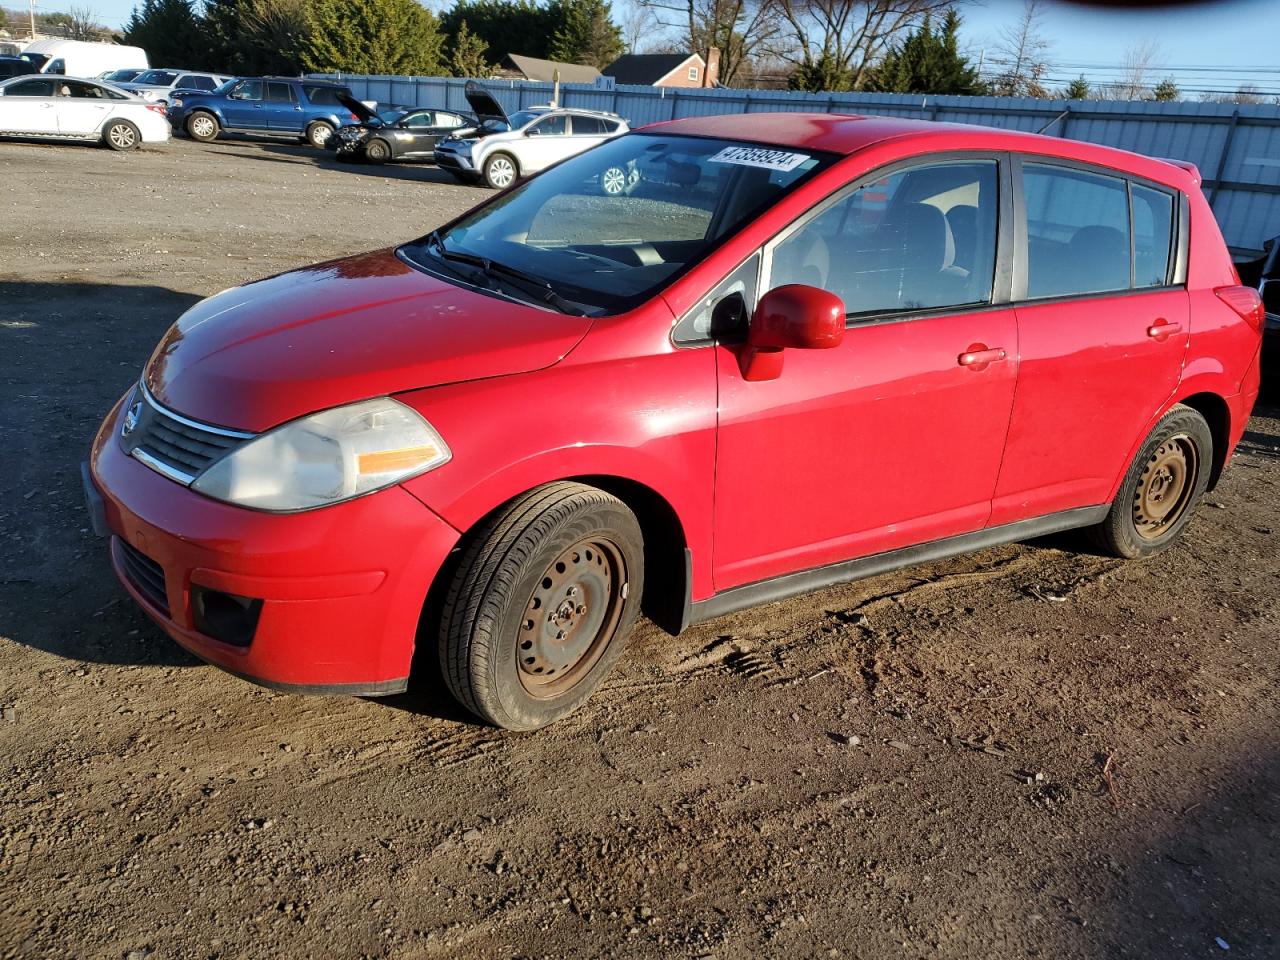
{"type": "Point", "coordinates": [849, 133]}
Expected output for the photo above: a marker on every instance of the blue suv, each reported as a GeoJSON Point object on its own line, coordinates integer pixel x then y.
{"type": "Point", "coordinates": [266, 106]}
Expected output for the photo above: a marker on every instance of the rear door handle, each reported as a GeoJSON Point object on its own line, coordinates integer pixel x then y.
{"type": "Point", "coordinates": [979, 355]}
{"type": "Point", "coordinates": [1161, 329]}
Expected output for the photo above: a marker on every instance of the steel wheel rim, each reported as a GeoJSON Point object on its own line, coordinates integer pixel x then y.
{"type": "Point", "coordinates": [202, 126]}
{"type": "Point", "coordinates": [1164, 490]}
{"type": "Point", "coordinates": [570, 617]}
{"type": "Point", "coordinates": [501, 172]}
{"type": "Point", "coordinates": [121, 135]}
{"type": "Point", "coordinates": [615, 180]}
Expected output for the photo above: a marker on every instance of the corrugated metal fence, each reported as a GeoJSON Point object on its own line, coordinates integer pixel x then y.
{"type": "Point", "coordinates": [1236, 147]}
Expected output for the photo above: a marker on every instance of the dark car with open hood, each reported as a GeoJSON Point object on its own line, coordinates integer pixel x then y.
{"type": "Point", "coordinates": [395, 132]}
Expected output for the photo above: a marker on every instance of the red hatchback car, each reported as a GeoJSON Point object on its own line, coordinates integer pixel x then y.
{"type": "Point", "coordinates": [794, 350]}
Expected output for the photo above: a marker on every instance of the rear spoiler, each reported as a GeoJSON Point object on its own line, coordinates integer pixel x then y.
{"type": "Point", "coordinates": [1188, 166]}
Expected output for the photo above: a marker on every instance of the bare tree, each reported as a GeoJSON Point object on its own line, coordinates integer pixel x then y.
{"type": "Point", "coordinates": [743, 30]}
{"type": "Point", "coordinates": [641, 29]}
{"type": "Point", "coordinates": [82, 24]}
{"type": "Point", "coordinates": [1022, 56]}
{"type": "Point", "coordinates": [1140, 61]}
{"type": "Point", "coordinates": [843, 39]}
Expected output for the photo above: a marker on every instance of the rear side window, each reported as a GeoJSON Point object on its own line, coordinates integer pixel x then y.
{"type": "Point", "coordinates": [1152, 236]}
{"type": "Point", "coordinates": [279, 93]}
{"type": "Point", "coordinates": [324, 96]}
{"type": "Point", "coordinates": [917, 239]}
{"type": "Point", "coordinates": [193, 82]}
{"type": "Point", "coordinates": [1077, 232]}
{"type": "Point", "coordinates": [587, 126]}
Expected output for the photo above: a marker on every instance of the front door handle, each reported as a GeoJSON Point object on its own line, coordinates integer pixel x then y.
{"type": "Point", "coordinates": [979, 356]}
{"type": "Point", "coordinates": [1162, 328]}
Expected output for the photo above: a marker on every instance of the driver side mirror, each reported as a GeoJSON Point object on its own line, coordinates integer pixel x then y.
{"type": "Point", "coordinates": [794, 316]}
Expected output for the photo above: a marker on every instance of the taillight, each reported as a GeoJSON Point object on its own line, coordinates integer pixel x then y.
{"type": "Point", "coordinates": [1246, 302]}
{"type": "Point", "coordinates": [354, 117]}
{"type": "Point", "coordinates": [159, 108]}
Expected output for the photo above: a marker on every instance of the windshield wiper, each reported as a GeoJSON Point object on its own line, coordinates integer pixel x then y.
{"type": "Point", "coordinates": [532, 285]}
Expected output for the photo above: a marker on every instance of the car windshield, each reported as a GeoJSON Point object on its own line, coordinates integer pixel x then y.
{"type": "Point", "coordinates": [159, 78]}
{"type": "Point", "coordinates": [610, 227]}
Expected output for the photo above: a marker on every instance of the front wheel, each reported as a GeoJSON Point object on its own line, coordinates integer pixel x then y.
{"type": "Point", "coordinates": [500, 171]}
{"type": "Point", "coordinates": [541, 605]}
{"type": "Point", "coordinates": [202, 127]}
{"type": "Point", "coordinates": [121, 135]}
{"type": "Point", "coordinates": [377, 151]}
{"type": "Point", "coordinates": [1161, 488]}
{"type": "Point", "coordinates": [318, 134]}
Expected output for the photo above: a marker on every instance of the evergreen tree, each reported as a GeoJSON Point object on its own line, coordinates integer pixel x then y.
{"type": "Point", "coordinates": [585, 33]}
{"type": "Point", "coordinates": [928, 62]}
{"type": "Point", "coordinates": [1077, 89]}
{"type": "Point", "coordinates": [372, 36]}
{"type": "Point", "coordinates": [1167, 91]}
{"type": "Point", "coordinates": [170, 32]}
{"type": "Point", "coordinates": [823, 74]}
{"type": "Point", "coordinates": [466, 54]}
{"type": "Point", "coordinates": [257, 37]}
{"type": "Point", "coordinates": [503, 26]}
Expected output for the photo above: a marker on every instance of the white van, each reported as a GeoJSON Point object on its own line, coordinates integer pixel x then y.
{"type": "Point", "coordinates": [79, 58]}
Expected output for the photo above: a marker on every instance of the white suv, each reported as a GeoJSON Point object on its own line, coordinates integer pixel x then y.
{"type": "Point", "coordinates": [505, 148]}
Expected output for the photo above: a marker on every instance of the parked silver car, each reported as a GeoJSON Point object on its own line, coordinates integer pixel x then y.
{"type": "Point", "coordinates": [505, 147]}
{"type": "Point", "coordinates": [158, 84]}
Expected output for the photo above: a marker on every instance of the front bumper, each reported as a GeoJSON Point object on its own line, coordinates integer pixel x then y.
{"type": "Point", "coordinates": [337, 592]}
{"type": "Point", "coordinates": [454, 161]}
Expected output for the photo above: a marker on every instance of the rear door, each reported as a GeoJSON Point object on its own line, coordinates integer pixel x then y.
{"type": "Point", "coordinates": [28, 107]}
{"type": "Point", "coordinates": [81, 108]}
{"type": "Point", "coordinates": [585, 133]}
{"type": "Point", "coordinates": [284, 112]}
{"type": "Point", "coordinates": [1103, 328]}
{"type": "Point", "coordinates": [894, 437]}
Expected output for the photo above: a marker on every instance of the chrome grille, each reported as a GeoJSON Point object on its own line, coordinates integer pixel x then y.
{"type": "Point", "coordinates": [170, 443]}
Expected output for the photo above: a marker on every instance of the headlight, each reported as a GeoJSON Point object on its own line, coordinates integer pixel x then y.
{"type": "Point", "coordinates": [326, 458]}
{"type": "Point", "coordinates": [175, 101]}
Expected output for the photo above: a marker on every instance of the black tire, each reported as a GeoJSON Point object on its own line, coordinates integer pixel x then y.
{"type": "Point", "coordinates": [318, 134]}
{"type": "Point", "coordinates": [501, 170]}
{"type": "Point", "coordinates": [202, 126]}
{"type": "Point", "coordinates": [377, 150]}
{"type": "Point", "coordinates": [121, 135]}
{"type": "Point", "coordinates": [567, 550]}
{"type": "Point", "coordinates": [1161, 488]}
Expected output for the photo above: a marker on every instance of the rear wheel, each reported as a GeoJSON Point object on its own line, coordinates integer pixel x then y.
{"type": "Point", "coordinates": [541, 605]}
{"type": "Point", "coordinates": [202, 126]}
{"type": "Point", "coordinates": [377, 151]}
{"type": "Point", "coordinates": [121, 135]}
{"type": "Point", "coordinates": [318, 133]}
{"type": "Point", "coordinates": [1161, 488]}
{"type": "Point", "coordinates": [500, 171]}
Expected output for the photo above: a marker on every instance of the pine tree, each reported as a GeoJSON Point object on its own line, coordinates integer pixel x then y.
{"type": "Point", "coordinates": [503, 26]}
{"type": "Point", "coordinates": [372, 36]}
{"type": "Point", "coordinates": [1077, 89]}
{"type": "Point", "coordinates": [466, 54]}
{"type": "Point", "coordinates": [928, 62]}
{"type": "Point", "coordinates": [1167, 90]}
{"type": "Point", "coordinates": [170, 32]}
{"type": "Point", "coordinates": [584, 33]}
{"type": "Point", "coordinates": [823, 74]}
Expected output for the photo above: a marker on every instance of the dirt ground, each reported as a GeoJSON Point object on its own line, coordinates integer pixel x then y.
{"type": "Point", "coordinates": [1029, 752]}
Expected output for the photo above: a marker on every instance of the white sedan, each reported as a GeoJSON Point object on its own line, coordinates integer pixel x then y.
{"type": "Point", "coordinates": [61, 108]}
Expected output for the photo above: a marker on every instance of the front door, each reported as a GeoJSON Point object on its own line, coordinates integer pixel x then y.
{"type": "Point", "coordinates": [895, 436]}
{"type": "Point", "coordinates": [29, 107]}
{"type": "Point", "coordinates": [545, 143]}
{"type": "Point", "coordinates": [1102, 341]}
{"type": "Point", "coordinates": [244, 108]}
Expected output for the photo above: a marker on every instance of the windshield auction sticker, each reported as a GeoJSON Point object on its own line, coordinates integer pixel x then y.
{"type": "Point", "coordinates": [760, 157]}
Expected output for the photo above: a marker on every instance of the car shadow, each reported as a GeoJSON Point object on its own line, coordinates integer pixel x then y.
{"type": "Point", "coordinates": [70, 351]}
{"type": "Point", "coordinates": [298, 154]}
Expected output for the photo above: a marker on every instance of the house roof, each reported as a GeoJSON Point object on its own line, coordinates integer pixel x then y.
{"type": "Point", "coordinates": [647, 68]}
{"type": "Point", "coordinates": [535, 69]}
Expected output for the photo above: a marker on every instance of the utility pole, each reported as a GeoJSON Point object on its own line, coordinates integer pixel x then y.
{"type": "Point", "coordinates": [31, 8]}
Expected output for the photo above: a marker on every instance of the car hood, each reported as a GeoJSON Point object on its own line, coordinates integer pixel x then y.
{"type": "Point", "coordinates": [257, 355]}
{"type": "Point", "coordinates": [358, 109]}
{"type": "Point", "coordinates": [483, 105]}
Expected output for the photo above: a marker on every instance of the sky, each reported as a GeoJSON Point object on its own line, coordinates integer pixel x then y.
{"type": "Point", "coordinates": [1227, 36]}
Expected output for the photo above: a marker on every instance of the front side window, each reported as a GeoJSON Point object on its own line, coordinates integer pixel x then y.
{"type": "Point", "coordinates": [248, 90]}
{"type": "Point", "coordinates": [917, 239]}
{"type": "Point", "coordinates": [607, 249]}
{"type": "Point", "coordinates": [58, 66]}
{"type": "Point", "coordinates": [1152, 236]}
{"type": "Point", "coordinates": [30, 88]}
{"type": "Point", "coordinates": [419, 121]}
{"type": "Point", "coordinates": [557, 126]}
{"type": "Point", "coordinates": [1077, 231]}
